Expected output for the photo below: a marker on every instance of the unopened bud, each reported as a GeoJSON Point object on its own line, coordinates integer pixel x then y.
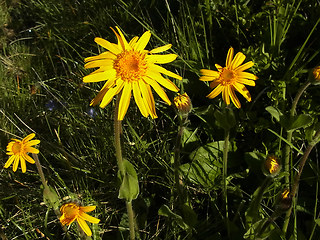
{"type": "Point", "coordinates": [285, 200]}
{"type": "Point", "coordinates": [271, 166]}
{"type": "Point", "coordinates": [316, 73]}
{"type": "Point", "coordinates": [183, 103]}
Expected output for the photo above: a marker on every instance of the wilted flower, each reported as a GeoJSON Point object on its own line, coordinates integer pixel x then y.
{"type": "Point", "coordinates": [18, 151]}
{"type": "Point", "coordinates": [230, 78]}
{"type": "Point", "coordinates": [183, 103]}
{"type": "Point", "coordinates": [128, 67]}
{"type": "Point", "coordinates": [71, 212]}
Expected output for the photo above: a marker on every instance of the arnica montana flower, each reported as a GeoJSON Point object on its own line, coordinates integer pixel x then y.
{"type": "Point", "coordinates": [230, 78]}
{"type": "Point", "coordinates": [18, 151]}
{"type": "Point", "coordinates": [128, 67]}
{"type": "Point", "coordinates": [183, 103]}
{"type": "Point", "coordinates": [71, 212]}
{"type": "Point", "coordinates": [271, 166]}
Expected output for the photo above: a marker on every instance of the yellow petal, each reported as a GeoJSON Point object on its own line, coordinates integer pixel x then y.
{"type": "Point", "coordinates": [207, 78]}
{"type": "Point", "coordinates": [23, 165]}
{"type": "Point", "coordinates": [122, 40]}
{"type": "Point", "coordinates": [238, 60]}
{"type": "Point", "coordinates": [243, 90]}
{"type": "Point", "coordinates": [160, 69]}
{"type": "Point", "coordinates": [162, 59]}
{"type": "Point", "coordinates": [216, 91]}
{"type": "Point", "coordinates": [111, 92]}
{"type": "Point", "coordinates": [88, 218]}
{"type": "Point", "coordinates": [143, 41]}
{"type": "Point", "coordinates": [218, 67]}
{"type": "Point", "coordinates": [104, 55]}
{"type": "Point", "coordinates": [98, 63]}
{"type": "Point", "coordinates": [32, 150]}
{"type": "Point", "coordinates": [16, 163]}
{"type": "Point", "coordinates": [234, 99]}
{"type": "Point", "coordinates": [225, 95]}
{"type": "Point", "coordinates": [163, 81]}
{"type": "Point", "coordinates": [102, 92]}
{"type": "Point", "coordinates": [158, 89]}
{"type": "Point", "coordinates": [161, 49]}
{"type": "Point", "coordinates": [245, 66]}
{"type": "Point", "coordinates": [87, 208]}
{"type": "Point", "coordinates": [124, 101]}
{"type": "Point", "coordinates": [209, 73]}
{"type": "Point", "coordinates": [29, 137]}
{"type": "Point", "coordinates": [246, 82]}
{"type": "Point", "coordinates": [32, 143]}
{"type": "Point", "coordinates": [247, 75]}
{"type": "Point", "coordinates": [108, 45]}
{"type": "Point", "coordinates": [229, 57]}
{"type": "Point", "coordinates": [148, 98]}
{"type": "Point", "coordinates": [9, 162]}
{"type": "Point", "coordinates": [138, 99]}
{"type": "Point", "coordinates": [28, 158]}
{"type": "Point", "coordinates": [97, 77]}
{"type": "Point", "coordinates": [133, 41]}
{"type": "Point", "coordinates": [84, 226]}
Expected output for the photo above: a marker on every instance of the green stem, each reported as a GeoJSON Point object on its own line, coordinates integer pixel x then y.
{"type": "Point", "coordinates": [287, 165]}
{"type": "Point", "coordinates": [117, 133]}
{"type": "Point", "coordinates": [39, 168]}
{"type": "Point", "coordinates": [224, 174]}
{"type": "Point", "coordinates": [295, 186]}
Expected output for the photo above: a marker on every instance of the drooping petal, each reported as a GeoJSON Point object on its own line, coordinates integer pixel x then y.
{"type": "Point", "coordinates": [23, 165]}
{"type": "Point", "coordinates": [229, 57]}
{"type": "Point", "coordinates": [28, 158]}
{"type": "Point", "coordinates": [9, 162]}
{"type": "Point", "coordinates": [225, 94]}
{"type": "Point", "coordinates": [148, 98]}
{"type": "Point", "coordinates": [111, 92]}
{"type": "Point", "coordinates": [158, 89]}
{"type": "Point", "coordinates": [161, 59]}
{"type": "Point", "coordinates": [215, 92]}
{"type": "Point", "coordinates": [143, 41]}
{"type": "Point", "coordinates": [234, 98]}
{"type": "Point", "coordinates": [138, 99]}
{"type": "Point", "coordinates": [84, 226]}
{"type": "Point", "coordinates": [161, 49]}
{"type": "Point", "coordinates": [88, 218]}
{"type": "Point", "coordinates": [124, 101]}
{"type": "Point", "coordinates": [108, 45]}
{"type": "Point", "coordinates": [163, 81]}
{"type": "Point", "coordinates": [238, 60]}
{"type": "Point", "coordinates": [243, 90]}
{"type": "Point", "coordinates": [16, 163]}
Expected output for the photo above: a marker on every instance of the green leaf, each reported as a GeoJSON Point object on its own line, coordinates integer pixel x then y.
{"type": "Point", "coordinates": [295, 122]}
{"type": "Point", "coordinates": [129, 189]}
{"type": "Point", "coordinates": [317, 221]}
{"type": "Point", "coordinates": [166, 212]}
{"type": "Point", "coordinates": [50, 198]}
{"type": "Point", "coordinates": [225, 119]}
{"type": "Point", "coordinates": [275, 112]}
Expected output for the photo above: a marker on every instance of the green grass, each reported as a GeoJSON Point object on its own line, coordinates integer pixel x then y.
{"type": "Point", "coordinates": [43, 44]}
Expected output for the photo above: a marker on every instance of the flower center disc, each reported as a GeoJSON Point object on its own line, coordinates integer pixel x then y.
{"type": "Point", "coordinates": [71, 212]}
{"type": "Point", "coordinates": [130, 65]}
{"type": "Point", "coordinates": [16, 147]}
{"type": "Point", "coordinates": [227, 76]}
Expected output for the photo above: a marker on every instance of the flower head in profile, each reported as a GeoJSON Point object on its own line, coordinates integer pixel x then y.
{"type": "Point", "coordinates": [71, 212]}
{"type": "Point", "coordinates": [183, 103]}
{"type": "Point", "coordinates": [271, 166]}
{"type": "Point", "coordinates": [230, 78]}
{"type": "Point", "coordinates": [18, 151]}
{"type": "Point", "coordinates": [316, 73]}
{"type": "Point", "coordinates": [128, 68]}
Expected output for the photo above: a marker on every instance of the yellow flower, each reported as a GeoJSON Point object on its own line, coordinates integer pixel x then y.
{"type": "Point", "coordinates": [183, 103]}
{"type": "Point", "coordinates": [272, 165]}
{"type": "Point", "coordinates": [316, 73]}
{"type": "Point", "coordinates": [71, 212]}
{"type": "Point", "coordinates": [18, 151]}
{"type": "Point", "coordinates": [128, 67]}
{"type": "Point", "coordinates": [230, 78]}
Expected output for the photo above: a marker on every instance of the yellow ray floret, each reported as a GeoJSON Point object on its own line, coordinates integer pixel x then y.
{"type": "Point", "coordinates": [128, 68]}
{"type": "Point", "coordinates": [230, 78]}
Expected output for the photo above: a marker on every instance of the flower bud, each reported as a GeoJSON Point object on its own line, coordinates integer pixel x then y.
{"type": "Point", "coordinates": [271, 166]}
{"type": "Point", "coordinates": [285, 200]}
{"type": "Point", "coordinates": [183, 103]}
{"type": "Point", "coordinates": [316, 73]}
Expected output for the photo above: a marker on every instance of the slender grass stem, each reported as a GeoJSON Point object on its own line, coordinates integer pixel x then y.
{"type": "Point", "coordinates": [224, 175]}
{"type": "Point", "coordinates": [295, 186]}
{"type": "Point", "coordinates": [287, 165]}
{"type": "Point", "coordinates": [117, 133]}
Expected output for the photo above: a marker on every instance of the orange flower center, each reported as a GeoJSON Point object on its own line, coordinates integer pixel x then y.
{"type": "Point", "coordinates": [227, 76]}
{"type": "Point", "coordinates": [69, 212]}
{"type": "Point", "coordinates": [130, 65]}
{"type": "Point", "coordinates": [16, 148]}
